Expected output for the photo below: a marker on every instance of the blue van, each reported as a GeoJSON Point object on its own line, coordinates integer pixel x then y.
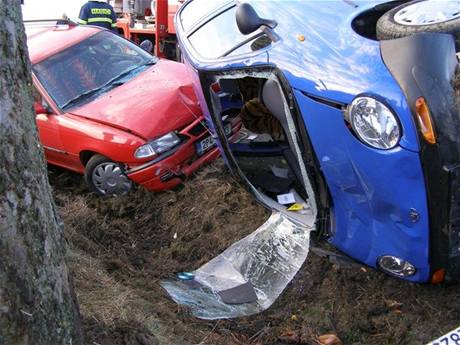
{"type": "Point", "coordinates": [363, 93]}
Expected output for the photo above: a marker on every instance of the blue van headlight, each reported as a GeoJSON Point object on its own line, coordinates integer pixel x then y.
{"type": "Point", "coordinates": [397, 266]}
{"type": "Point", "coordinates": [374, 123]}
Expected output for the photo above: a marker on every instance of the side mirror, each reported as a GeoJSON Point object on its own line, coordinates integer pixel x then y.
{"type": "Point", "coordinates": [41, 109]}
{"type": "Point", "coordinates": [249, 21]}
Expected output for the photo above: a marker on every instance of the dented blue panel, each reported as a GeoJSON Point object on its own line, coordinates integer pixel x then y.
{"type": "Point", "coordinates": [373, 191]}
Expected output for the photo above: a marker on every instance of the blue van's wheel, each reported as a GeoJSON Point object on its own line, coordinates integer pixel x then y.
{"type": "Point", "coordinates": [420, 16]}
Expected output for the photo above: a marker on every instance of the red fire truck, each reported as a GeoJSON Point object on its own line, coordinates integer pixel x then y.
{"type": "Point", "coordinates": [150, 20]}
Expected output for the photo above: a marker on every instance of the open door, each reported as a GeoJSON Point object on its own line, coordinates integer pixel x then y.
{"type": "Point", "coordinates": [266, 152]}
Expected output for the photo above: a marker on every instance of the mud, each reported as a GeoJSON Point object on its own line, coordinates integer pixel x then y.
{"type": "Point", "coordinates": [122, 247]}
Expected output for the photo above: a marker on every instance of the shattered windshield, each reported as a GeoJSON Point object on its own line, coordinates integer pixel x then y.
{"type": "Point", "coordinates": [90, 67]}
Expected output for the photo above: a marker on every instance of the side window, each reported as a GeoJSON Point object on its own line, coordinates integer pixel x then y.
{"type": "Point", "coordinates": [221, 36]}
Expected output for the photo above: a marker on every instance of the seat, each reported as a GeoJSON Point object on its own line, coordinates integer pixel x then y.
{"type": "Point", "coordinates": [273, 99]}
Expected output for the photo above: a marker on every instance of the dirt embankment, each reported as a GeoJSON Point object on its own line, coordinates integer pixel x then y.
{"type": "Point", "coordinates": [122, 247]}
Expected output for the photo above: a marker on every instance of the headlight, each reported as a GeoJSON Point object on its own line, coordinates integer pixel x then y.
{"type": "Point", "coordinates": [157, 146]}
{"type": "Point", "coordinates": [396, 266]}
{"type": "Point", "coordinates": [374, 123]}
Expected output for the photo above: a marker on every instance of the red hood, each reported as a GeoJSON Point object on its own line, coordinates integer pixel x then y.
{"type": "Point", "coordinates": [157, 101]}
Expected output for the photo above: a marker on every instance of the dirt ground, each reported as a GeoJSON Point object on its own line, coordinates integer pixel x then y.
{"type": "Point", "coordinates": [120, 249]}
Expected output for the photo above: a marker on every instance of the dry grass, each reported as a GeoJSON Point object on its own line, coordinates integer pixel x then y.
{"type": "Point", "coordinates": [123, 247]}
{"type": "Point", "coordinates": [106, 302]}
{"type": "Point", "coordinates": [101, 297]}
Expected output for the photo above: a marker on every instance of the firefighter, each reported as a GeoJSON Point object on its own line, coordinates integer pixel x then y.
{"type": "Point", "coordinates": [100, 13]}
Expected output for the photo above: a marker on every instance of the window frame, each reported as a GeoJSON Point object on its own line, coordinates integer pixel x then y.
{"type": "Point", "coordinates": [226, 55]}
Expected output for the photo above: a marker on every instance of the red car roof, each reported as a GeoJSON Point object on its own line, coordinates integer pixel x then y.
{"type": "Point", "coordinates": [44, 42]}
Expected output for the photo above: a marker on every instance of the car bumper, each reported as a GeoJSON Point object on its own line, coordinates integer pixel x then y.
{"type": "Point", "coordinates": [170, 169]}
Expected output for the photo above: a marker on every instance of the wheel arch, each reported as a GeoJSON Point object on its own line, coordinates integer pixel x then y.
{"type": "Point", "coordinates": [86, 155]}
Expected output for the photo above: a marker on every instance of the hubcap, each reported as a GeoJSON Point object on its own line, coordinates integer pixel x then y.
{"type": "Point", "coordinates": [428, 12]}
{"type": "Point", "coordinates": [109, 179]}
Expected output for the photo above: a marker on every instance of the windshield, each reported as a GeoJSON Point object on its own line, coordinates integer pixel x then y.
{"type": "Point", "coordinates": [220, 37]}
{"type": "Point", "coordinates": [197, 9]}
{"type": "Point", "coordinates": [92, 65]}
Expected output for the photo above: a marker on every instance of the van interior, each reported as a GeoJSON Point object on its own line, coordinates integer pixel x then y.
{"type": "Point", "coordinates": [266, 150]}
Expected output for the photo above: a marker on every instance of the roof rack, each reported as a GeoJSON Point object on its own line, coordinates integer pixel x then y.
{"type": "Point", "coordinates": [46, 22]}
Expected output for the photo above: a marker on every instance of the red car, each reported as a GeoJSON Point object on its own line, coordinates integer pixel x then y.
{"type": "Point", "coordinates": [113, 112]}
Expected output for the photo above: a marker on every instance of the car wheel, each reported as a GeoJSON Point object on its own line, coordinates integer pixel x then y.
{"type": "Point", "coordinates": [420, 16]}
{"type": "Point", "coordinates": [105, 177]}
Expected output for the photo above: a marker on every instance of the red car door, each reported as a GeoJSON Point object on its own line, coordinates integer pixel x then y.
{"type": "Point", "coordinates": [48, 129]}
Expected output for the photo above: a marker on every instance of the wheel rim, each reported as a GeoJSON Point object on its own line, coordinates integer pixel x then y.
{"type": "Point", "coordinates": [428, 12]}
{"type": "Point", "coordinates": [109, 179]}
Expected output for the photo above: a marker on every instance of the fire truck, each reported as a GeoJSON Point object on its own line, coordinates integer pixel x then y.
{"type": "Point", "coordinates": [142, 20]}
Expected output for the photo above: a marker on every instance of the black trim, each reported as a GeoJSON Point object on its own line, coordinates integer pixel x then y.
{"type": "Point", "coordinates": [365, 24]}
{"type": "Point", "coordinates": [454, 217]}
{"type": "Point", "coordinates": [198, 129]}
{"type": "Point", "coordinates": [326, 101]}
{"type": "Point", "coordinates": [424, 65]}
{"type": "Point", "coordinates": [55, 150]}
{"type": "Point", "coordinates": [239, 45]}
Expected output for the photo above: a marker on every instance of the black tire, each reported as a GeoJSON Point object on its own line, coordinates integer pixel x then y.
{"type": "Point", "coordinates": [388, 28]}
{"type": "Point", "coordinates": [120, 184]}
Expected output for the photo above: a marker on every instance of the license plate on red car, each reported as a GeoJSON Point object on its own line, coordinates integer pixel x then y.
{"type": "Point", "coordinates": [208, 143]}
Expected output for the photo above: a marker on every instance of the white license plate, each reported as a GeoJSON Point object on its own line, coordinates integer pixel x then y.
{"type": "Point", "coordinates": [451, 338]}
{"type": "Point", "coordinates": [207, 143]}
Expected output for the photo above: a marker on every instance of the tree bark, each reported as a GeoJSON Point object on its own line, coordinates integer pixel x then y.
{"type": "Point", "coordinates": [37, 302]}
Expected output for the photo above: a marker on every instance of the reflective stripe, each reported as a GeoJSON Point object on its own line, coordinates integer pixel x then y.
{"type": "Point", "coordinates": [81, 21]}
{"type": "Point", "coordinates": [100, 19]}
{"type": "Point", "coordinates": [114, 25]}
{"type": "Point", "coordinates": [105, 11]}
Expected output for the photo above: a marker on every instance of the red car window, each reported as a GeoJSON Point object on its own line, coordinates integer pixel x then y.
{"type": "Point", "coordinates": [88, 65]}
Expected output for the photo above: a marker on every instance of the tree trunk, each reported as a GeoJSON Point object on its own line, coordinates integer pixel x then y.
{"type": "Point", "coordinates": [37, 302]}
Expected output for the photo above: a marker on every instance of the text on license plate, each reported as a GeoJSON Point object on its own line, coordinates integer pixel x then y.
{"type": "Point", "coordinates": [207, 143]}
{"type": "Point", "coordinates": [451, 338]}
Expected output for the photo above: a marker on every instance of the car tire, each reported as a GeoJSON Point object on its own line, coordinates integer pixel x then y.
{"type": "Point", "coordinates": [396, 23]}
{"type": "Point", "coordinates": [105, 177]}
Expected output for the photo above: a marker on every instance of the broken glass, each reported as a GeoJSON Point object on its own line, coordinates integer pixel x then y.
{"type": "Point", "coordinates": [249, 275]}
